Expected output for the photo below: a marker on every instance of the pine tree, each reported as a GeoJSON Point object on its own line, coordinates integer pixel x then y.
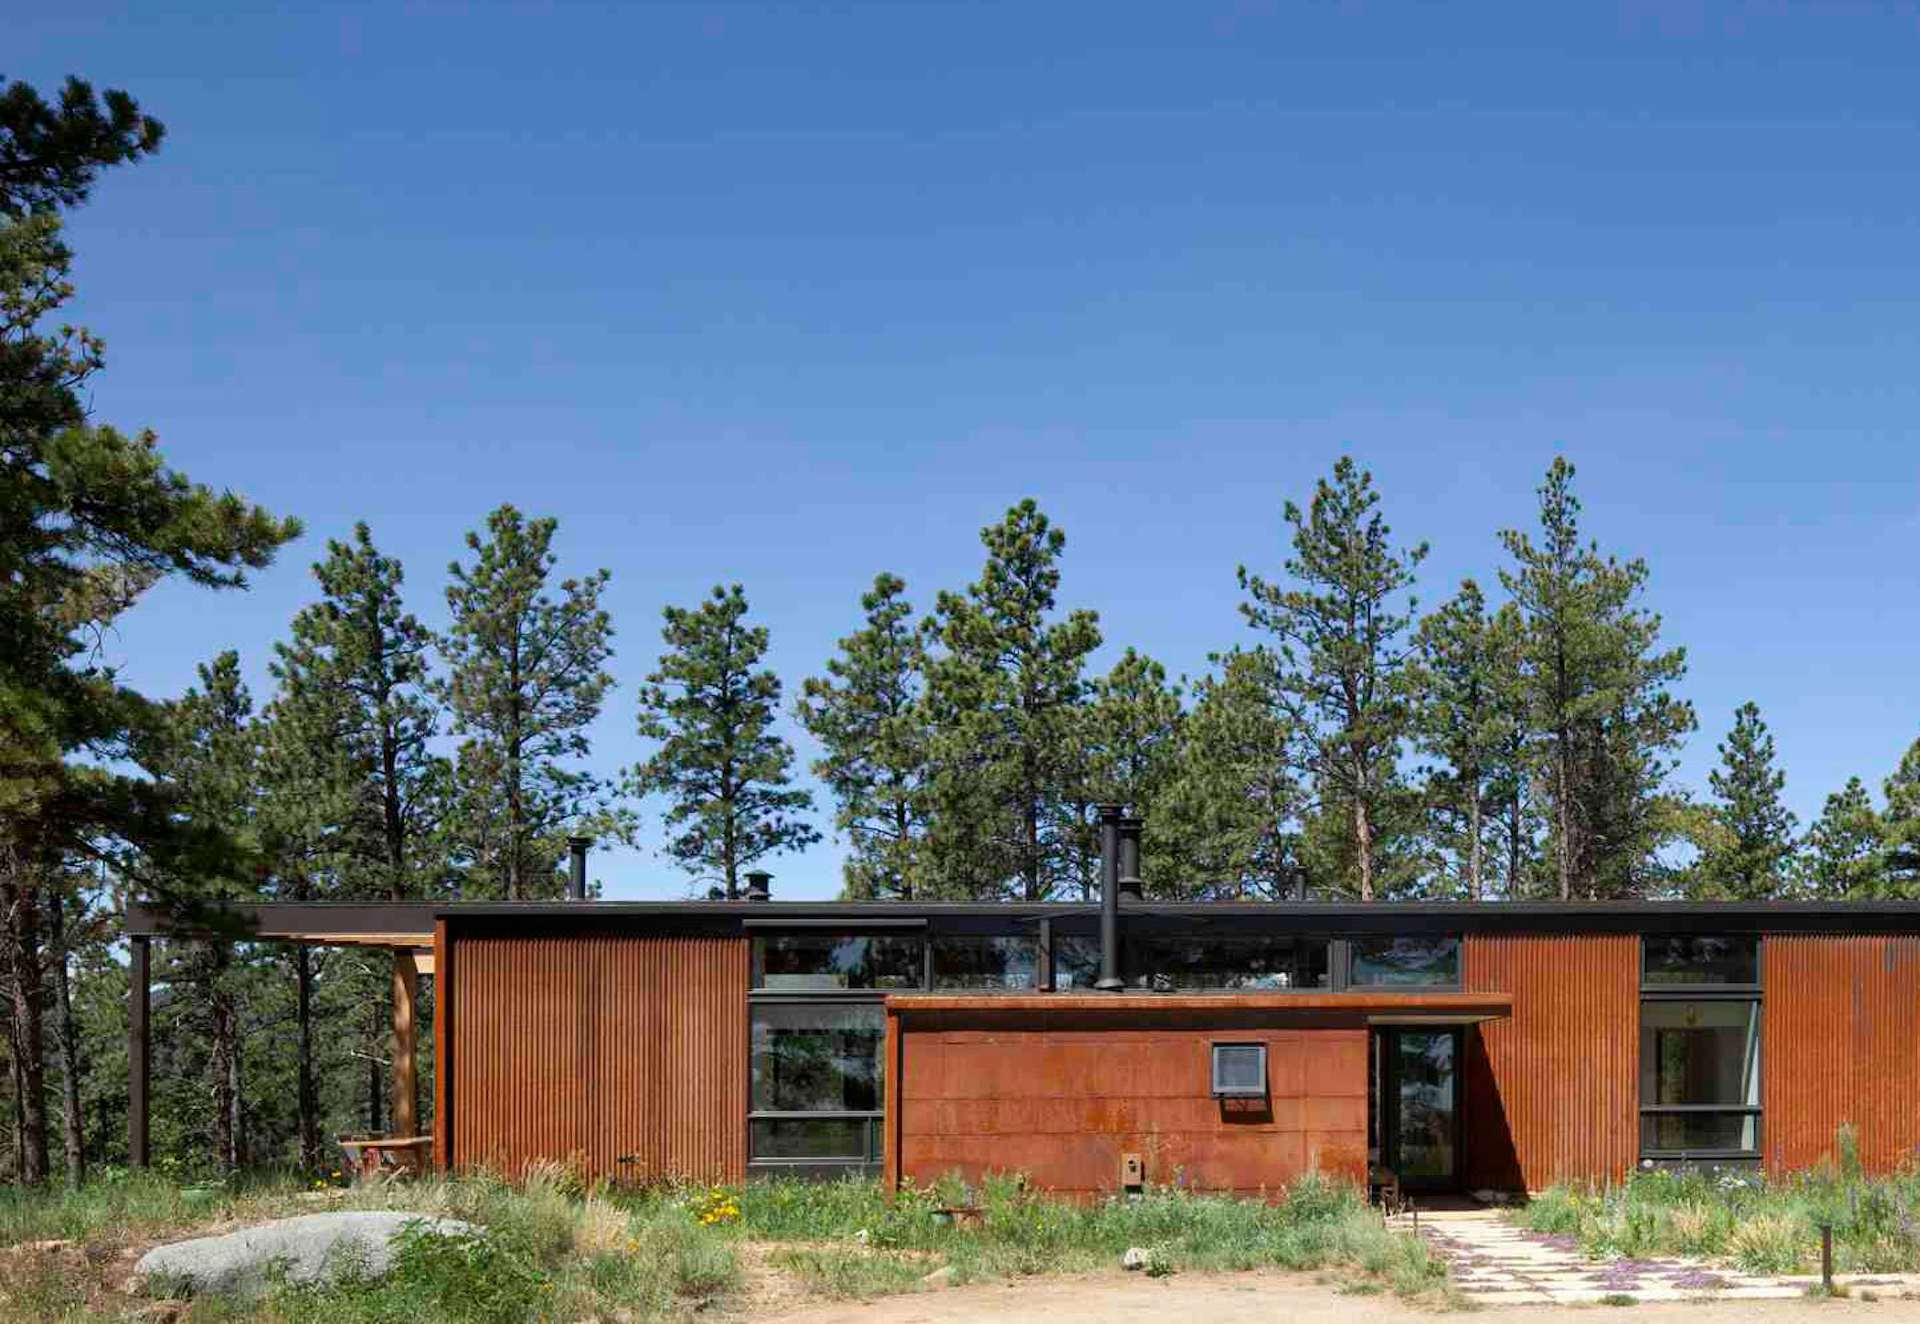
{"type": "Point", "coordinates": [1464, 719]}
{"type": "Point", "coordinates": [1512, 784]}
{"type": "Point", "coordinates": [1606, 724]}
{"type": "Point", "coordinates": [1129, 742]}
{"type": "Point", "coordinates": [868, 714]}
{"type": "Point", "coordinates": [1752, 848]}
{"type": "Point", "coordinates": [1227, 821]}
{"type": "Point", "coordinates": [1900, 827]}
{"type": "Point", "coordinates": [724, 771]}
{"type": "Point", "coordinates": [1343, 657]}
{"type": "Point", "coordinates": [527, 679]}
{"type": "Point", "coordinates": [208, 759]}
{"type": "Point", "coordinates": [1005, 695]}
{"type": "Point", "coordinates": [360, 793]}
{"type": "Point", "coordinates": [90, 519]}
{"type": "Point", "coordinates": [1840, 857]}
{"type": "Point", "coordinates": [355, 671]}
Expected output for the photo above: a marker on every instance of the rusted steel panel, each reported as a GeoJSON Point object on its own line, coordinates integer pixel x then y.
{"type": "Point", "coordinates": [1064, 1103]}
{"type": "Point", "coordinates": [1840, 1045]}
{"type": "Point", "coordinates": [1553, 1091]}
{"type": "Point", "coordinates": [626, 1056]}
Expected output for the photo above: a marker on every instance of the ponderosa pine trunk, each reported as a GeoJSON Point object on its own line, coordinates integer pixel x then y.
{"type": "Point", "coordinates": [376, 1036]}
{"type": "Point", "coordinates": [1563, 817]}
{"type": "Point", "coordinates": [1363, 828]}
{"type": "Point", "coordinates": [306, 1102]}
{"type": "Point", "coordinates": [236, 1106]}
{"type": "Point", "coordinates": [68, 1036]}
{"type": "Point", "coordinates": [1476, 850]}
{"type": "Point", "coordinates": [222, 1051]}
{"type": "Point", "coordinates": [21, 901]}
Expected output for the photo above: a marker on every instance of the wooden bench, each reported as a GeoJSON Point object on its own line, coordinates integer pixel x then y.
{"type": "Point", "coordinates": [381, 1156]}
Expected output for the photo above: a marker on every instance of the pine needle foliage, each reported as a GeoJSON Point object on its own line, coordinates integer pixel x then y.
{"type": "Point", "coordinates": [724, 771]}
{"type": "Point", "coordinates": [527, 663]}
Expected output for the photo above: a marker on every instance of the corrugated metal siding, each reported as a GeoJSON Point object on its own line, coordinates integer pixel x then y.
{"type": "Point", "coordinates": [1552, 1093]}
{"type": "Point", "coordinates": [625, 1055]}
{"type": "Point", "coordinates": [1841, 1045]}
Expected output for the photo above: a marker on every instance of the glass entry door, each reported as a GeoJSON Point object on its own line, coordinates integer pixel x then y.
{"type": "Point", "coordinates": [1421, 1106]}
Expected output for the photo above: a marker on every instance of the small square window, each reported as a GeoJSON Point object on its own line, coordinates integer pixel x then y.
{"type": "Point", "coordinates": [1239, 1071]}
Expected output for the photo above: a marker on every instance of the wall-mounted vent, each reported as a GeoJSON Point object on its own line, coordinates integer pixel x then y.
{"type": "Point", "coordinates": [1239, 1071]}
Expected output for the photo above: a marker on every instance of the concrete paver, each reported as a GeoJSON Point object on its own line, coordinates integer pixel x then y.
{"type": "Point", "coordinates": [1498, 1263]}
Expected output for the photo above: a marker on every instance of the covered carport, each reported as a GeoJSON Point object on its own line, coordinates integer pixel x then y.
{"type": "Point", "coordinates": [406, 929]}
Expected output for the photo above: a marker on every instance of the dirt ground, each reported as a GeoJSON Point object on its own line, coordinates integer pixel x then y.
{"type": "Point", "coordinates": [1262, 1298]}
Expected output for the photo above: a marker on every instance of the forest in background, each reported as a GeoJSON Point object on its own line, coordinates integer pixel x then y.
{"type": "Point", "coordinates": [1515, 741]}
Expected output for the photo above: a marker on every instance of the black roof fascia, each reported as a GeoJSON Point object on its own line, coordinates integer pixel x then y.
{"type": "Point", "coordinates": [1309, 917]}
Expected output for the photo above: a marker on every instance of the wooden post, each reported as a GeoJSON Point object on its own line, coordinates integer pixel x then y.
{"type": "Point", "coordinates": [442, 1049]}
{"type": "Point", "coordinates": [406, 1098]}
{"type": "Point", "coordinates": [139, 1073]}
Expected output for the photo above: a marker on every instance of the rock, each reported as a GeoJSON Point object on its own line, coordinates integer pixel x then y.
{"type": "Point", "coordinates": [941, 1277]}
{"type": "Point", "coordinates": [160, 1312]}
{"type": "Point", "coordinates": [312, 1247]}
{"type": "Point", "coordinates": [1136, 1257]}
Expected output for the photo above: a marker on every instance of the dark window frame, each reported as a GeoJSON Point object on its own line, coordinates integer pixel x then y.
{"type": "Point", "coordinates": [1454, 984]}
{"type": "Point", "coordinates": [1650, 985]}
{"type": "Point", "coordinates": [1221, 1091]}
{"type": "Point", "coordinates": [1037, 932]}
{"type": "Point", "coordinates": [1754, 995]}
{"type": "Point", "coordinates": [756, 967]}
{"type": "Point", "coordinates": [1139, 980]}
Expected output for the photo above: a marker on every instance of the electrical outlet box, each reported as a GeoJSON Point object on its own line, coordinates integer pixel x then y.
{"type": "Point", "coordinates": [1133, 1171]}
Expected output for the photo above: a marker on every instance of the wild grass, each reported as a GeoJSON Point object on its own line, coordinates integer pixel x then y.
{"type": "Point", "coordinates": [120, 1205]}
{"type": "Point", "coordinates": [544, 1248]}
{"type": "Point", "coordinates": [1760, 1224]}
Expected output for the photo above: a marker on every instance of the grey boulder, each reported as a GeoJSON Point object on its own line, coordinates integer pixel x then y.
{"type": "Point", "coordinates": [313, 1247]}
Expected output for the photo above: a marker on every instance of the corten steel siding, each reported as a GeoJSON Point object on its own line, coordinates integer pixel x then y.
{"type": "Point", "coordinates": [625, 1055]}
{"type": "Point", "coordinates": [1553, 1092]}
{"type": "Point", "coordinates": [1840, 1043]}
{"type": "Point", "coordinates": [1025, 1092]}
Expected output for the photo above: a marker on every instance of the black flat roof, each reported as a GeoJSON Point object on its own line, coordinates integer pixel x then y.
{"type": "Point", "coordinates": [314, 921]}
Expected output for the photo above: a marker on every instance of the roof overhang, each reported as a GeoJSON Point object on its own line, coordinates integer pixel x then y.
{"type": "Point", "coordinates": [1373, 1006]}
{"type": "Point", "coordinates": [394, 926]}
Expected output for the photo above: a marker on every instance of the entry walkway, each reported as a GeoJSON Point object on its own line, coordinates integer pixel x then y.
{"type": "Point", "coordinates": [1497, 1263]}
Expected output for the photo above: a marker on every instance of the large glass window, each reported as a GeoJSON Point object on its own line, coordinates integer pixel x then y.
{"type": "Point", "coordinates": [1701, 960]}
{"type": "Point", "coordinates": [986, 961]}
{"type": "Point", "coordinates": [1404, 960]}
{"type": "Point", "coordinates": [1700, 1055]}
{"type": "Point", "coordinates": [818, 1140]}
{"type": "Point", "coordinates": [1166, 962]}
{"type": "Point", "coordinates": [1076, 962]}
{"type": "Point", "coordinates": [813, 1058]}
{"type": "Point", "coordinates": [806, 961]}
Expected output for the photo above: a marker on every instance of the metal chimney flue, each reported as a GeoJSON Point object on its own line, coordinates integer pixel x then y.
{"type": "Point", "coordinates": [759, 885]}
{"type": "Point", "coordinates": [577, 867]}
{"type": "Point", "coordinates": [1110, 980]}
{"type": "Point", "coordinates": [1130, 829]}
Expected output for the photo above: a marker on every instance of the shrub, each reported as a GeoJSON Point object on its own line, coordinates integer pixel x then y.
{"type": "Point", "coordinates": [1769, 1243]}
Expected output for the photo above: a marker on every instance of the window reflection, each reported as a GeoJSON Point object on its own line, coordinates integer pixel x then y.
{"type": "Point", "coordinates": [817, 1058]}
{"type": "Point", "coordinates": [1404, 960]}
{"type": "Point", "coordinates": [985, 961]}
{"type": "Point", "coordinates": [837, 960]}
{"type": "Point", "coordinates": [1168, 962]}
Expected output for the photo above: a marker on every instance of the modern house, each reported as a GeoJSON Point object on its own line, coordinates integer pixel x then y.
{"type": "Point", "coordinates": [1228, 1046]}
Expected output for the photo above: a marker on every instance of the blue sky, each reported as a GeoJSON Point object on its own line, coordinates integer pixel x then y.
{"type": "Point", "coordinates": [791, 295]}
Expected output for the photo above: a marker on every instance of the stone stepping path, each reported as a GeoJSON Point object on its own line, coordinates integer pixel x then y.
{"type": "Point", "coordinates": [1495, 1262]}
